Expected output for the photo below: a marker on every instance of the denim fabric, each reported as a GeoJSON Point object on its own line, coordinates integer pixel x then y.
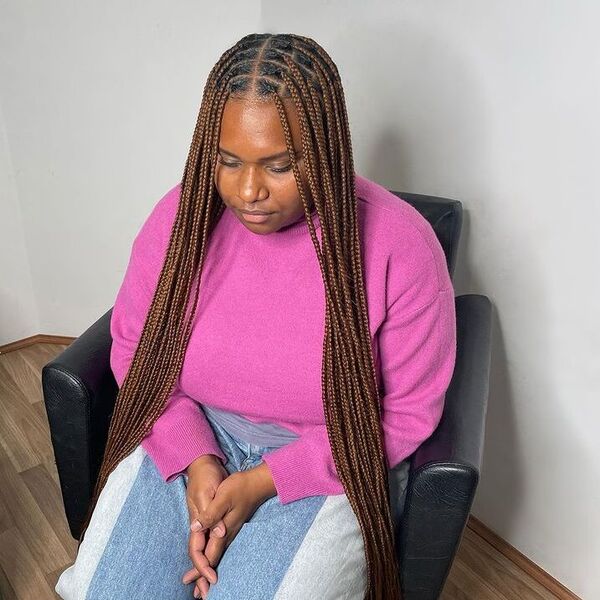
{"type": "Point", "coordinates": [136, 543]}
{"type": "Point", "coordinates": [238, 426]}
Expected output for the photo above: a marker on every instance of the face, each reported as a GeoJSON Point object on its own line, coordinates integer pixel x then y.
{"type": "Point", "coordinates": [254, 172]}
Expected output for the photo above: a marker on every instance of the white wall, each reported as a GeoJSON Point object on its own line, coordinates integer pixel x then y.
{"type": "Point", "coordinates": [18, 311]}
{"type": "Point", "coordinates": [494, 103]}
{"type": "Point", "coordinates": [100, 101]}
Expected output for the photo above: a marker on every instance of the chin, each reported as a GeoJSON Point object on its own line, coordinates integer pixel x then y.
{"type": "Point", "coordinates": [260, 228]}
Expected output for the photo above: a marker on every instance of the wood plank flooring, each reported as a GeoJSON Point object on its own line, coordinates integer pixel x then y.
{"type": "Point", "coordinates": [35, 543]}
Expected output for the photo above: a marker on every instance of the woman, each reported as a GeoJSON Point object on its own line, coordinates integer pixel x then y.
{"type": "Point", "coordinates": [264, 422]}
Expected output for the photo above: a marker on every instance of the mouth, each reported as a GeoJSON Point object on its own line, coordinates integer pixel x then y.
{"type": "Point", "coordinates": [255, 217]}
{"type": "Point", "coordinates": [255, 212]}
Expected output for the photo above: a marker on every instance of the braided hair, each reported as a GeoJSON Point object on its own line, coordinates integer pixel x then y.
{"type": "Point", "coordinates": [276, 67]}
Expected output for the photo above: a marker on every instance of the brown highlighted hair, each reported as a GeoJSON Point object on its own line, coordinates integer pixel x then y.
{"type": "Point", "coordinates": [277, 67]}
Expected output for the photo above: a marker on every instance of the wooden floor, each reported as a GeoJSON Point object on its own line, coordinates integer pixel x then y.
{"type": "Point", "coordinates": [35, 544]}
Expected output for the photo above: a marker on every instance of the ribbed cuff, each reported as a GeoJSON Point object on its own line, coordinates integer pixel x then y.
{"type": "Point", "coordinates": [301, 469]}
{"type": "Point", "coordinates": [173, 449]}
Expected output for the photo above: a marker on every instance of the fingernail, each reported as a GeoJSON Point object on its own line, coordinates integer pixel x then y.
{"type": "Point", "coordinates": [219, 530]}
{"type": "Point", "coordinates": [196, 526]}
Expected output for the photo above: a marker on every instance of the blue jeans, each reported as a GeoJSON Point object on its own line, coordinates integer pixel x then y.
{"type": "Point", "coordinates": [136, 543]}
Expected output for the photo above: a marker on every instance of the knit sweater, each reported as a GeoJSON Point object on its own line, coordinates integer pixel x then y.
{"type": "Point", "coordinates": [256, 346]}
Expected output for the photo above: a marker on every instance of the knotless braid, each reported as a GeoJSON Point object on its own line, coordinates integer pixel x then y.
{"type": "Point", "coordinates": [277, 68]}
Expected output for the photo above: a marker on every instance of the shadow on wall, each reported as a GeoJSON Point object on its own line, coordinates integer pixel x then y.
{"type": "Point", "coordinates": [423, 130]}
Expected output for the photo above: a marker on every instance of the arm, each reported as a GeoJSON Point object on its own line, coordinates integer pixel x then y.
{"type": "Point", "coordinates": [182, 432]}
{"type": "Point", "coordinates": [417, 356]}
{"type": "Point", "coordinates": [263, 482]}
{"type": "Point", "coordinates": [304, 467]}
{"type": "Point", "coordinates": [418, 353]}
{"type": "Point", "coordinates": [417, 347]}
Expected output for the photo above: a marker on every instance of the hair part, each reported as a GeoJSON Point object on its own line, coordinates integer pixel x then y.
{"type": "Point", "coordinates": [277, 68]}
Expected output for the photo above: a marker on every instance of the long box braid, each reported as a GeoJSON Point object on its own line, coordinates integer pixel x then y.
{"type": "Point", "coordinates": [276, 67]}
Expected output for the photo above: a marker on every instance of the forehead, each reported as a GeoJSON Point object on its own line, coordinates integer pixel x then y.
{"type": "Point", "coordinates": [252, 128]}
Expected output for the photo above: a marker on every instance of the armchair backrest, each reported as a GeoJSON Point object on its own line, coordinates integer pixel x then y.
{"type": "Point", "coordinates": [444, 215]}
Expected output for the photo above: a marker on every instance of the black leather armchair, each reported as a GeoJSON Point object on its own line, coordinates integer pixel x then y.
{"type": "Point", "coordinates": [80, 390]}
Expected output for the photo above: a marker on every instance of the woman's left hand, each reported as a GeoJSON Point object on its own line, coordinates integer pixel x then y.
{"type": "Point", "coordinates": [235, 501]}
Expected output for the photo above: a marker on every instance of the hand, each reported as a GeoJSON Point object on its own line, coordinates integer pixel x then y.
{"type": "Point", "coordinates": [235, 501]}
{"type": "Point", "coordinates": [205, 474]}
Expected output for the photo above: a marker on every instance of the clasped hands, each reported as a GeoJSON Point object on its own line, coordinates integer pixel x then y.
{"type": "Point", "coordinates": [218, 505]}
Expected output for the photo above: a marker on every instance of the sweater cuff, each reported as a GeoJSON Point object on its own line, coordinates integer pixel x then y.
{"type": "Point", "coordinates": [174, 443]}
{"type": "Point", "coordinates": [304, 467]}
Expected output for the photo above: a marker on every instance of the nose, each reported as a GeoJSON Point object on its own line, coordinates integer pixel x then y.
{"type": "Point", "coordinates": [251, 185]}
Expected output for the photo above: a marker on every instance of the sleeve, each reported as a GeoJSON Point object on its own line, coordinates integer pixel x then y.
{"type": "Point", "coordinates": [181, 433]}
{"type": "Point", "coordinates": [417, 349]}
{"type": "Point", "coordinates": [417, 353]}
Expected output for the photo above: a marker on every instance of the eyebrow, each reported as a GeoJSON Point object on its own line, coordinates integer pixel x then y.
{"type": "Point", "coordinates": [283, 154]}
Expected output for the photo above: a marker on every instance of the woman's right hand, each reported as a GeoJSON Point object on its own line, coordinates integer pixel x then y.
{"type": "Point", "coordinates": [205, 474]}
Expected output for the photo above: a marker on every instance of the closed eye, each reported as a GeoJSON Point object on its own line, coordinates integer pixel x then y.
{"type": "Point", "coordinates": [227, 163]}
{"type": "Point", "coordinates": [281, 169]}
{"type": "Point", "coordinates": [233, 164]}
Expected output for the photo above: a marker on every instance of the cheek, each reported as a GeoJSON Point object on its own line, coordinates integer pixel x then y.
{"type": "Point", "coordinates": [286, 193]}
{"type": "Point", "coordinates": [223, 182]}
{"type": "Point", "coordinates": [284, 187]}
{"type": "Point", "coordinates": [289, 185]}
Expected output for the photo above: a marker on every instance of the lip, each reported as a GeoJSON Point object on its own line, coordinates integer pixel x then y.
{"type": "Point", "coordinates": [255, 217]}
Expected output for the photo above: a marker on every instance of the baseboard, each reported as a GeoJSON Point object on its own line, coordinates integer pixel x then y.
{"type": "Point", "coordinates": [520, 560]}
{"type": "Point", "coordinates": [40, 338]}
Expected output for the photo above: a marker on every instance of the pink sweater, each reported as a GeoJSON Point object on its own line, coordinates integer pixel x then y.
{"type": "Point", "coordinates": [257, 342]}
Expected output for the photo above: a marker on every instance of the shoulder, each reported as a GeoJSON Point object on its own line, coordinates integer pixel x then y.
{"type": "Point", "coordinates": [152, 239]}
{"type": "Point", "coordinates": [400, 235]}
{"type": "Point", "coordinates": [395, 224]}
{"type": "Point", "coordinates": [162, 215]}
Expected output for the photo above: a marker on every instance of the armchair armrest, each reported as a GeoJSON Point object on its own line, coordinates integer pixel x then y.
{"type": "Point", "coordinates": [79, 394]}
{"type": "Point", "coordinates": [445, 468]}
